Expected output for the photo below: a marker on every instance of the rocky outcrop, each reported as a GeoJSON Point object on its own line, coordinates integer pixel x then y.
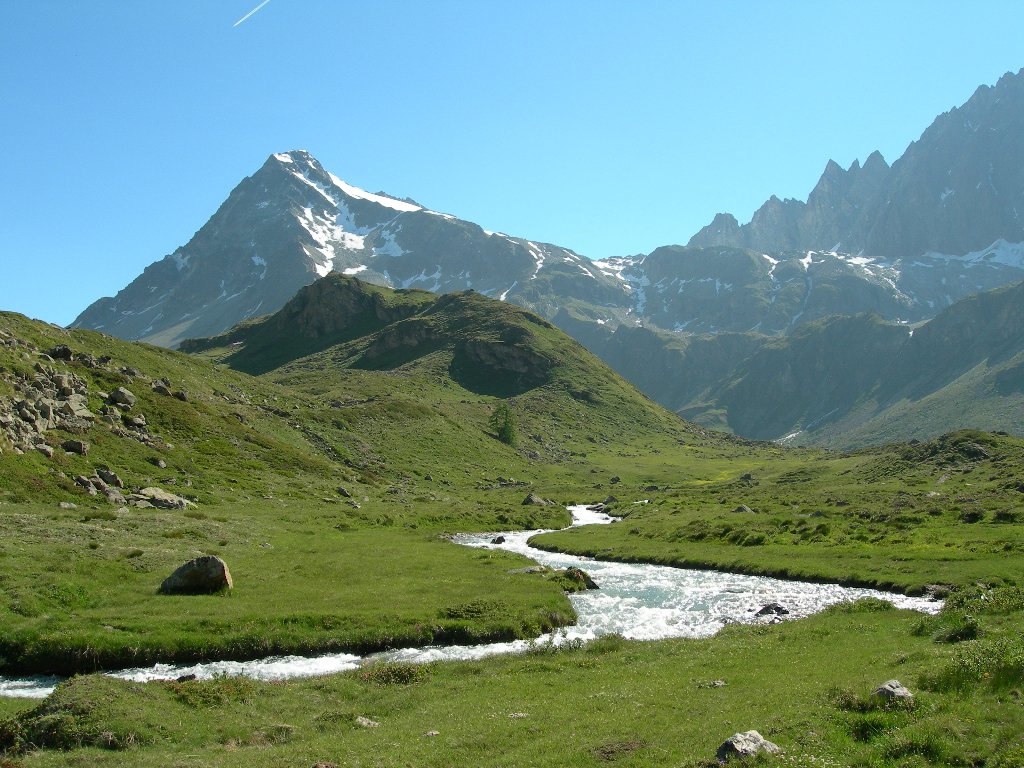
{"type": "Point", "coordinates": [204, 575]}
{"type": "Point", "coordinates": [159, 498]}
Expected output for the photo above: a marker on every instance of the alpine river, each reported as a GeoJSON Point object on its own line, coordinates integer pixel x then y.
{"type": "Point", "coordinates": [643, 602]}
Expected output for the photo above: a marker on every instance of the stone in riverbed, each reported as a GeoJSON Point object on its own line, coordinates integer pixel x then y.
{"type": "Point", "coordinates": [581, 576]}
{"type": "Point", "coordinates": [201, 576]}
{"type": "Point", "coordinates": [773, 609]}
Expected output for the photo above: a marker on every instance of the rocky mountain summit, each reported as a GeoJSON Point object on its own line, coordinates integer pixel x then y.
{"type": "Point", "coordinates": [293, 221]}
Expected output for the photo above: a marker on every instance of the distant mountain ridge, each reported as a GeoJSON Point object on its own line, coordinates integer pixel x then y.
{"type": "Point", "coordinates": [901, 243]}
{"type": "Point", "coordinates": [954, 191]}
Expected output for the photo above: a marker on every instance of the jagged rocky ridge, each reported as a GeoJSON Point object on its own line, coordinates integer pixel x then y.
{"type": "Point", "coordinates": [954, 191]}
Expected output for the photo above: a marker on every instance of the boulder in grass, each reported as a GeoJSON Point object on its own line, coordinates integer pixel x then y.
{"type": "Point", "coordinates": [893, 691]}
{"type": "Point", "coordinates": [202, 576]}
{"type": "Point", "coordinates": [536, 501]}
{"type": "Point", "coordinates": [744, 745]}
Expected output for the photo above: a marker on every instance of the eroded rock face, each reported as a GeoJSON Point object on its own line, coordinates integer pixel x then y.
{"type": "Point", "coordinates": [201, 576]}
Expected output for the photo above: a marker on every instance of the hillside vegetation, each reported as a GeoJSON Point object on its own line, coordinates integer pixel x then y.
{"type": "Point", "coordinates": [327, 452]}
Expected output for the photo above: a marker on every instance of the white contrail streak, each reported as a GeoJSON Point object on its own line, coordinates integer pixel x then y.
{"type": "Point", "coordinates": [250, 13]}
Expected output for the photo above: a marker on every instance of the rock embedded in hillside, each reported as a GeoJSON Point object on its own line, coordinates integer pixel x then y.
{"type": "Point", "coordinates": [366, 722]}
{"type": "Point", "coordinates": [158, 497]}
{"type": "Point", "coordinates": [536, 501]}
{"type": "Point", "coordinates": [744, 745]}
{"type": "Point", "coordinates": [109, 477]}
{"type": "Point", "coordinates": [743, 508]}
{"type": "Point", "coordinates": [201, 576]}
{"type": "Point", "coordinates": [893, 691]}
{"type": "Point", "coordinates": [76, 446]}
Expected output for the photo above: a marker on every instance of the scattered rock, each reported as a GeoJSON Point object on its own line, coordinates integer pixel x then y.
{"type": "Point", "coordinates": [536, 501]}
{"type": "Point", "coordinates": [773, 609]}
{"type": "Point", "coordinates": [747, 478]}
{"type": "Point", "coordinates": [650, 488]}
{"type": "Point", "coordinates": [185, 679]}
{"type": "Point", "coordinates": [893, 690]}
{"type": "Point", "coordinates": [75, 446]}
{"type": "Point", "coordinates": [431, 734]}
{"type": "Point", "coordinates": [366, 722]}
{"type": "Point", "coordinates": [615, 480]}
{"type": "Point", "coordinates": [610, 500]}
{"type": "Point", "coordinates": [744, 745]}
{"type": "Point", "coordinates": [161, 388]}
{"type": "Point", "coordinates": [122, 396]}
{"type": "Point", "coordinates": [181, 395]}
{"type": "Point", "coordinates": [110, 478]}
{"type": "Point", "coordinates": [159, 463]}
{"type": "Point", "coordinates": [67, 505]}
{"type": "Point", "coordinates": [44, 449]}
{"type": "Point", "coordinates": [498, 540]}
{"type": "Point", "coordinates": [201, 576]}
{"type": "Point", "coordinates": [518, 715]}
{"type": "Point", "coordinates": [324, 764]}
{"type": "Point", "coordinates": [743, 508]}
{"type": "Point", "coordinates": [62, 352]}
{"type": "Point", "coordinates": [429, 478]}
{"type": "Point", "coordinates": [343, 491]}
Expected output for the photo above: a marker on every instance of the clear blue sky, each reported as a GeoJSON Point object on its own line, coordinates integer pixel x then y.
{"type": "Point", "coordinates": [607, 127]}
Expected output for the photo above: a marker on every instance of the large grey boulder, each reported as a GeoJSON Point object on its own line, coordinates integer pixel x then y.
{"type": "Point", "coordinates": [201, 576]}
{"type": "Point", "coordinates": [748, 744]}
{"type": "Point", "coordinates": [122, 396]}
{"type": "Point", "coordinates": [893, 691]}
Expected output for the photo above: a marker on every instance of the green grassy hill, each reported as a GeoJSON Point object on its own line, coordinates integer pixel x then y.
{"type": "Point", "coordinates": [326, 453]}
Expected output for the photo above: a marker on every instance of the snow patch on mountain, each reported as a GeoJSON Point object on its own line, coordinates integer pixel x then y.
{"type": "Point", "coordinates": [538, 258]}
{"type": "Point", "coordinates": [362, 194]}
{"type": "Point", "coordinates": [999, 252]}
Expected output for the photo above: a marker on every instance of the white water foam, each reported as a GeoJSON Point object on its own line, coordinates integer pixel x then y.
{"type": "Point", "coordinates": [637, 601]}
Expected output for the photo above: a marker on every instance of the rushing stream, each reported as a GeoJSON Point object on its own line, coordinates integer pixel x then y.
{"type": "Point", "coordinates": [644, 602]}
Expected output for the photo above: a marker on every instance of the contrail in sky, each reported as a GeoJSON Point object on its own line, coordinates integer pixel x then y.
{"type": "Point", "coordinates": [250, 13]}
